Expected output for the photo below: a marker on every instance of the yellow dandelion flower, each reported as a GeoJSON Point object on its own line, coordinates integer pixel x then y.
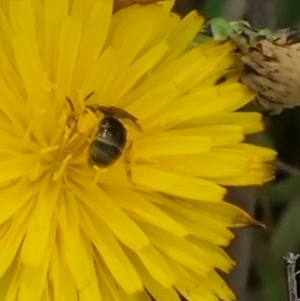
{"type": "Point", "coordinates": [76, 221]}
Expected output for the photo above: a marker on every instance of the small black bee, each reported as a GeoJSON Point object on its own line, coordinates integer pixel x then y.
{"type": "Point", "coordinates": [111, 138]}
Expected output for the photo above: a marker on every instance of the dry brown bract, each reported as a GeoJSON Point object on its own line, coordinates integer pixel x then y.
{"type": "Point", "coordinates": [273, 71]}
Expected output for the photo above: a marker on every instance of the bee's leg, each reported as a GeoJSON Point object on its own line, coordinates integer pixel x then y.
{"type": "Point", "coordinates": [129, 159]}
{"type": "Point", "coordinates": [71, 117]}
{"type": "Point", "coordinates": [88, 96]}
{"type": "Point", "coordinates": [68, 99]}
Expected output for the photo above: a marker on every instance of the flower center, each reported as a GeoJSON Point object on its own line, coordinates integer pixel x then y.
{"type": "Point", "coordinates": [76, 131]}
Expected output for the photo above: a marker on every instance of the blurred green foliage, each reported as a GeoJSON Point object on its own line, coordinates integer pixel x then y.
{"type": "Point", "coordinates": [214, 8]}
{"type": "Point", "coordinates": [289, 13]}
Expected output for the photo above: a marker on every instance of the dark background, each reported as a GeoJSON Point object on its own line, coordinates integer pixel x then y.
{"type": "Point", "coordinates": [260, 274]}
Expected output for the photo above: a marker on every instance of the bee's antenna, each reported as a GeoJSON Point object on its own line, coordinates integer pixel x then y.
{"type": "Point", "coordinates": [70, 103]}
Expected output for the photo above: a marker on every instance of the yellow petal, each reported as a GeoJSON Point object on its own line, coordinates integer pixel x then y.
{"type": "Point", "coordinates": [64, 287]}
{"type": "Point", "coordinates": [104, 71]}
{"type": "Point", "coordinates": [220, 135]}
{"type": "Point", "coordinates": [93, 39]}
{"type": "Point", "coordinates": [159, 292]}
{"type": "Point", "coordinates": [156, 266]}
{"type": "Point", "coordinates": [211, 229]}
{"type": "Point", "coordinates": [12, 108]}
{"type": "Point", "coordinates": [13, 237]}
{"type": "Point", "coordinates": [139, 207]}
{"type": "Point", "coordinates": [183, 35]}
{"type": "Point", "coordinates": [169, 145]}
{"type": "Point", "coordinates": [134, 73]}
{"type": "Point", "coordinates": [250, 122]}
{"type": "Point", "coordinates": [10, 283]}
{"type": "Point", "coordinates": [214, 164]}
{"type": "Point", "coordinates": [182, 186]}
{"type": "Point", "coordinates": [165, 94]}
{"type": "Point", "coordinates": [9, 193]}
{"type": "Point", "coordinates": [70, 239]}
{"type": "Point", "coordinates": [112, 216]}
{"type": "Point", "coordinates": [32, 280]}
{"type": "Point", "coordinates": [180, 250]}
{"type": "Point", "coordinates": [266, 153]}
{"type": "Point", "coordinates": [112, 253]}
{"type": "Point", "coordinates": [124, 33]}
{"type": "Point", "coordinates": [69, 43]}
{"type": "Point", "coordinates": [54, 14]}
{"type": "Point", "coordinates": [42, 226]}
